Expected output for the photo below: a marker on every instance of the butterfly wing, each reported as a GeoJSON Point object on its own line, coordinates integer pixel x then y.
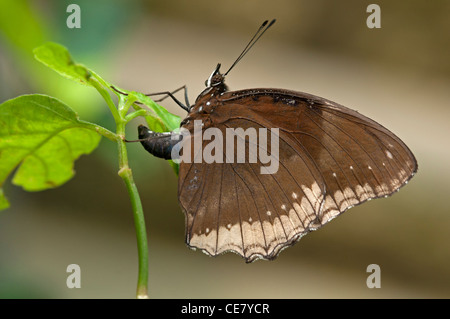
{"type": "Point", "coordinates": [330, 159]}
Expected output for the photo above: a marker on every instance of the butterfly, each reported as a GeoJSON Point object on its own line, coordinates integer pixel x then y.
{"type": "Point", "coordinates": [329, 159]}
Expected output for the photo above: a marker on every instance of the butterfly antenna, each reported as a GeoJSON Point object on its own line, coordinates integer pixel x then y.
{"type": "Point", "coordinates": [263, 28]}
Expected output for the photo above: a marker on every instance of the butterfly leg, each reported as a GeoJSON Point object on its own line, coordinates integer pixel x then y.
{"type": "Point", "coordinates": [173, 92]}
{"type": "Point", "coordinates": [167, 93]}
{"type": "Point", "coordinates": [171, 95]}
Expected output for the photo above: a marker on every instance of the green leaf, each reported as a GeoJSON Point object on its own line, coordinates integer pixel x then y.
{"type": "Point", "coordinates": [41, 137]}
{"type": "Point", "coordinates": [155, 123]}
{"type": "Point", "coordinates": [58, 58]}
{"type": "Point", "coordinates": [169, 120]}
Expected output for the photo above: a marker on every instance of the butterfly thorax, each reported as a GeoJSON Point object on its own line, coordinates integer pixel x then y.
{"type": "Point", "coordinates": [207, 101]}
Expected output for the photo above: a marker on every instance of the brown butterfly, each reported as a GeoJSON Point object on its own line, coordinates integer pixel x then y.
{"type": "Point", "coordinates": [330, 158]}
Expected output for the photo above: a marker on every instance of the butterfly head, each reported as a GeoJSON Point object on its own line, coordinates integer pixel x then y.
{"type": "Point", "coordinates": [214, 84]}
{"type": "Point", "coordinates": [216, 78]}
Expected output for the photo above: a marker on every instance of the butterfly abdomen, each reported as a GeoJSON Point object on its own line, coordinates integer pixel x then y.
{"type": "Point", "coordinates": [158, 144]}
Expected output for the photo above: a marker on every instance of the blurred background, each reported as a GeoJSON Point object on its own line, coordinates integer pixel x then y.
{"type": "Point", "coordinates": [398, 75]}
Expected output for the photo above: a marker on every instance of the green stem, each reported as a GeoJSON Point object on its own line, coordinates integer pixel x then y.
{"type": "Point", "coordinates": [141, 233]}
{"type": "Point", "coordinates": [135, 114]}
{"type": "Point", "coordinates": [120, 117]}
{"type": "Point", "coordinates": [105, 94]}
{"type": "Point", "coordinates": [139, 221]}
{"type": "Point", "coordinates": [125, 173]}
{"type": "Point", "coordinates": [102, 131]}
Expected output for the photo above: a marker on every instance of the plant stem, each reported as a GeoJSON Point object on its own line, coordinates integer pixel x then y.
{"type": "Point", "coordinates": [105, 94]}
{"type": "Point", "coordinates": [101, 130]}
{"type": "Point", "coordinates": [121, 119]}
{"type": "Point", "coordinates": [141, 234]}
